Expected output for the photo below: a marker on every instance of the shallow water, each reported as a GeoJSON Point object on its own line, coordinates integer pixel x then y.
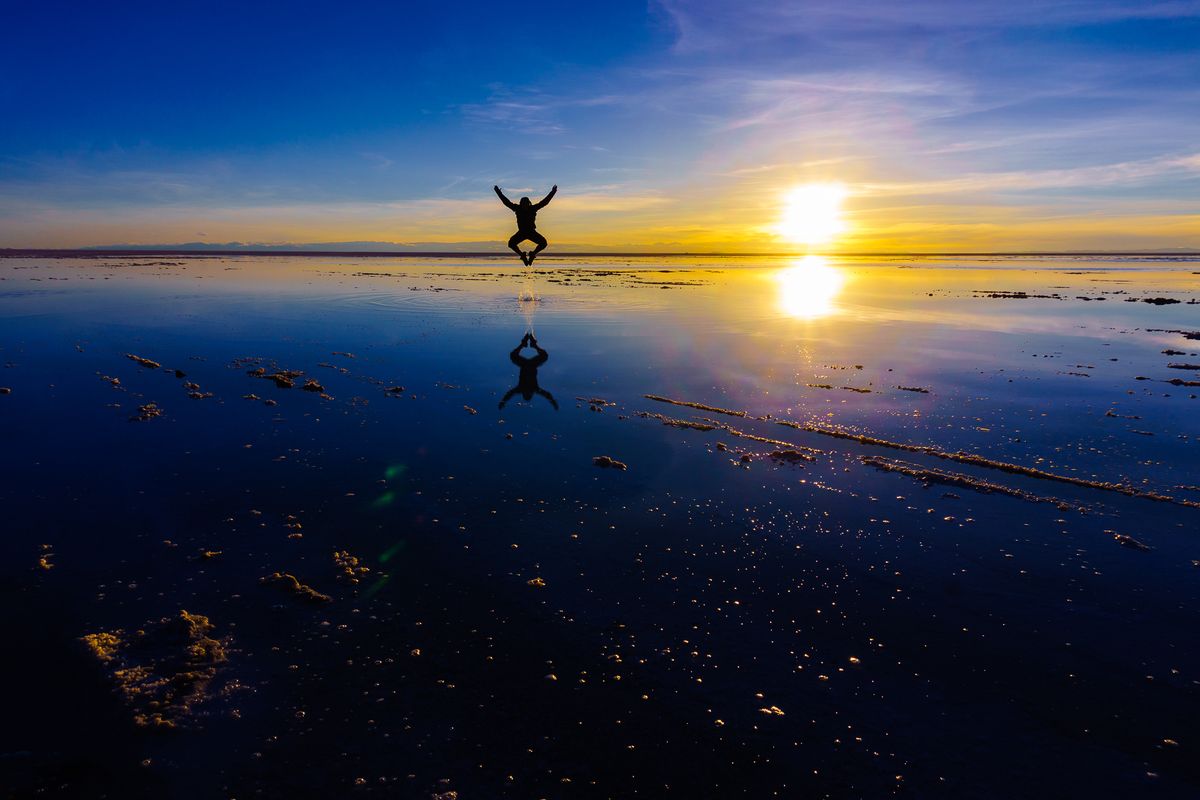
{"type": "Point", "coordinates": [880, 620]}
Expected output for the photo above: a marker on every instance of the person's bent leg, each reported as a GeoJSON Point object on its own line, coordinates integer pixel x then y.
{"type": "Point", "coordinates": [515, 240]}
{"type": "Point", "coordinates": [539, 240]}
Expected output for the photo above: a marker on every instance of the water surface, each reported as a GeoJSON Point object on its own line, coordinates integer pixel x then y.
{"type": "Point", "coordinates": [970, 568]}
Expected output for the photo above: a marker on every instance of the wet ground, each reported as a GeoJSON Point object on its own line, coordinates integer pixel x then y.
{"type": "Point", "coordinates": [755, 527]}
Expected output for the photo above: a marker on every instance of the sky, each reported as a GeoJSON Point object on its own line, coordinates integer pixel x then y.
{"type": "Point", "coordinates": [668, 125]}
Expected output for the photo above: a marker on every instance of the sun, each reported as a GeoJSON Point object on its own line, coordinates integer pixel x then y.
{"type": "Point", "coordinates": [812, 213]}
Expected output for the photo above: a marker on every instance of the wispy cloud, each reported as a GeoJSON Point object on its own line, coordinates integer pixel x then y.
{"type": "Point", "coordinates": [1100, 175]}
{"type": "Point", "coordinates": [529, 111]}
{"type": "Point", "coordinates": [609, 203]}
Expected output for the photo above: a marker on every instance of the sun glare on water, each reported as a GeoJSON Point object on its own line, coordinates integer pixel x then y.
{"type": "Point", "coordinates": [807, 289]}
{"type": "Point", "coordinates": [812, 213]}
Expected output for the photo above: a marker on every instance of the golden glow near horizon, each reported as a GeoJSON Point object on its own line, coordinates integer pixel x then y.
{"type": "Point", "coordinates": [812, 213]}
{"type": "Point", "coordinates": [808, 288]}
{"type": "Point", "coordinates": [731, 218]}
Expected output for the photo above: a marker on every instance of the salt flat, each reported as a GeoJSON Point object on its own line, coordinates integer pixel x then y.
{"type": "Point", "coordinates": [886, 526]}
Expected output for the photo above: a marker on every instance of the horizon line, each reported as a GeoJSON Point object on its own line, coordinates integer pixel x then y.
{"type": "Point", "coordinates": [96, 252]}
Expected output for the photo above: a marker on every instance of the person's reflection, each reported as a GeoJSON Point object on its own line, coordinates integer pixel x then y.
{"type": "Point", "coordinates": [527, 383]}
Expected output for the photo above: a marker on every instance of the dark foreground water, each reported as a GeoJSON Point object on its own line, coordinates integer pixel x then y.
{"type": "Point", "coordinates": [947, 543]}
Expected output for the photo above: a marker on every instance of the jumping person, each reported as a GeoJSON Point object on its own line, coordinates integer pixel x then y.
{"type": "Point", "coordinates": [526, 224]}
{"type": "Point", "coordinates": [527, 383]}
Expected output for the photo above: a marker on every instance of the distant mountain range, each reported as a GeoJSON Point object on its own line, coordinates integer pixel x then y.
{"type": "Point", "coordinates": [341, 247]}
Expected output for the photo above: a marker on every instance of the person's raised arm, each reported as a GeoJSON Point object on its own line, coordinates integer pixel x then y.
{"type": "Point", "coordinates": [504, 199]}
{"type": "Point", "coordinates": [542, 356]}
{"type": "Point", "coordinates": [545, 200]}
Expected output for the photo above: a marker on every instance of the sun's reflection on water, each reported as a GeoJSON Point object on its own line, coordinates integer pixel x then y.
{"type": "Point", "coordinates": [808, 288]}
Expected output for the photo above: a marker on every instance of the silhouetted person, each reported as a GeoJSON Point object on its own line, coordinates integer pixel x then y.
{"type": "Point", "coordinates": [526, 224]}
{"type": "Point", "coordinates": [527, 383]}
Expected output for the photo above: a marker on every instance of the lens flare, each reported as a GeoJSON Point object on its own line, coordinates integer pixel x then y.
{"type": "Point", "coordinates": [807, 289]}
{"type": "Point", "coordinates": [812, 213]}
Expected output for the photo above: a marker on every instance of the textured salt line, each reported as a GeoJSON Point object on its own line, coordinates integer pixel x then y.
{"type": "Point", "coordinates": [678, 423]}
{"type": "Point", "coordinates": [963, 481]}
{"type": "Point", "coordinates": [960, 457]}
{"type": "Point", "coordinates": [700, 406]}
{"type": "Point", "coordinates": [1120, 488]}
{"type": "Point", "coordinates": [980, 461]}
{"type": "Point", "coordinates": [800, 450]}
{"type": "Point", "coordinates": [858, 437]}
{"type": "Point", "coordinates": [776, 442]}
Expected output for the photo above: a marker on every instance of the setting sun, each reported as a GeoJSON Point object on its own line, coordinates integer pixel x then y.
{"type": "Point", "coordinates": [812, 213]}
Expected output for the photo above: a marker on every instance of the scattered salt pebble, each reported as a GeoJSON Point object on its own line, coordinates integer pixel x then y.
{"type": "Point", "coordinates": [290, 583]}
{"type": "Point", "coordinates": [609, 463]}
{"type": "Point", "coordinates": [146, 412]}
{"type": "Point", "coordinates": [145, 362]}
{"type": "Point", "coordinates": [350, 569]}
{"type": "Point", "coordinates": [1130, 542]}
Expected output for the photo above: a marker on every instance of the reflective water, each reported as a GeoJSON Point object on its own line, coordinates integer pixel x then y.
{"type": "Point", "coordinates": [887, 618]}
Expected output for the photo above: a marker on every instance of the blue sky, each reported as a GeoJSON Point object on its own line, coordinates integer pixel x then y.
{"type": "Point", "coordinates": [670, 125]}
